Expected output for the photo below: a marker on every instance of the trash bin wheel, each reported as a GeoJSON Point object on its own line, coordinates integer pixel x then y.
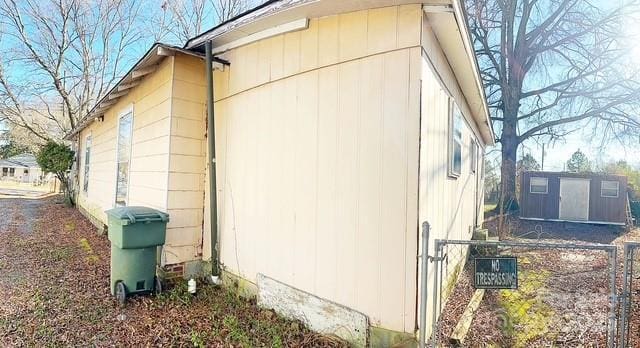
{"type": "Point", "coordinates": [157, 286]}
{"type": "Point", "coordinates": [121, 292]}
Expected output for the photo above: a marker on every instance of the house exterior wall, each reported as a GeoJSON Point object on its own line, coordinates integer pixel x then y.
{"type": "Point", "coordinates": [151, 104]}
{"type": "Point", "coordinates": [34, 174]}
{"type": "Point", "coordinates": [547, 206]}
{"type": "Point", "coordinates": [187, 161]}
{"type": "Point", "coordinates": [317, 136]}
{"type": "Point", "coordinates": [452, 206]}
{"type": "Point", "coordinates": [19, 175]}
{"type": "Point", "coordinates": [167, 154]}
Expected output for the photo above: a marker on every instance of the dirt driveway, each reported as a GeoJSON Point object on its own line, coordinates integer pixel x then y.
{"type": "Point", "coordinates": [54, 286]}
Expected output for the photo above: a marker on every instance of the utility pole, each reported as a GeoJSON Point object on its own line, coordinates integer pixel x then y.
{"type": "Point", "coordinates": [542, 156]}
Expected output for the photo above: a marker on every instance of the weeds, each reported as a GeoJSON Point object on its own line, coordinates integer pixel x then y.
{"type": "Point", "coordinates": [235, 331]}
{"type": "Point", "coordinates": [59, 254]}
{"type": "Point", "coordinates": [178, 294]}
{"type": "Point", "coordinates": [198, 339]}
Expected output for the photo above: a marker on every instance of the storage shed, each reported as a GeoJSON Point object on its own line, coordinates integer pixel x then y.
{"type": "Point", "coordinates": [561, 196]}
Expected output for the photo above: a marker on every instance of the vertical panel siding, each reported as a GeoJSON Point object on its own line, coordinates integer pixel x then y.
{"type": "Point", "coordinates": [318, 169]}
{"type": "Point", "coordinates": [149, 151]}
{"type": "Point", "coordinates": [450, 205]}
{"type": "Point", "coordinates": [328, 40]}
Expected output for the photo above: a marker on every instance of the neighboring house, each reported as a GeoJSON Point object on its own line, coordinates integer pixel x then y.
{"type": "Point", "coordinates": [340, 126]}
{"type": "Point", "coordinates": [21, 168]}
{"type": "Point", "coordinates": [576, 197]}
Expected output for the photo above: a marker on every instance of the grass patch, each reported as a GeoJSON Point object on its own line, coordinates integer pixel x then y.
{"type": "Point", "coordinates": [198, 339]}
{"type": "Point", "coordinates": [40, 310]}
{"type": "Point", "coordinates": [236, 333]}
{"type": "Point", "coordinates": [526, 316]}
{"type": "Point", "coordinates": [91, 256]}
{"type": "Point", "coordinates": [59, 254]}
{"type": "Point", "coordinates": [178, 294]}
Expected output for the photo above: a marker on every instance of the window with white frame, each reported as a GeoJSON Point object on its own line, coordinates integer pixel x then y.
{"type": "Point", "coordinates": [455, 140]}
{"type": "Point", "coordinates": [125, 127]}
{"type": "Point", "coordinates": [539, 185]}
{"type": "Point", "coordinates": [610, 189]}
{"type": "Point", "coordinates": [87, 162]}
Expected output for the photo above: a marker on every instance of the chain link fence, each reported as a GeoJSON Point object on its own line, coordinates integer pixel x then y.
{"type": "Point", "coordinates": [521, 294]}
{"type": "Point", "coordinates": [630, 297]}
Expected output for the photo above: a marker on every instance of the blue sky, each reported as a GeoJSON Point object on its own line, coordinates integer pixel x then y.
{"type": "Point", "coordinates": [559, 152]}
{"type": "Point", "coordinates": [556, 154]}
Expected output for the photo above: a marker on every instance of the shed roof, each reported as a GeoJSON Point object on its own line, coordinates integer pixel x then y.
{"type": "Point", "coordinates": [576, 175]}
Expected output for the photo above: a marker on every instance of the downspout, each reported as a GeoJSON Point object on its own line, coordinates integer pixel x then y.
{"type": "Point", "coordinates": [211, 142]}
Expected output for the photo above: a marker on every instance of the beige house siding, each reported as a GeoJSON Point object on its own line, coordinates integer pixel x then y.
{"type": "Point", "coordinates": [449, 204]}
{"type": "Point", "coordinates": [151, 103]}
{"type": "Point", "coordinates": [317, 160]}
{"type": "Point", "coordinates": [187, 161]}
{"type": "Point", "coordinates": [167, 153]}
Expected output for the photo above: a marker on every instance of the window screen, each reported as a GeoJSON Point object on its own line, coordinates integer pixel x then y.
{"type": "Point", "coordinates": [124, 158]}
{"type": "Point", "coordinates": [539, 185]}
{"type": "Point", "coordinates": [610, 189]}
{"type": "Point", "coordinates": [455, 140]}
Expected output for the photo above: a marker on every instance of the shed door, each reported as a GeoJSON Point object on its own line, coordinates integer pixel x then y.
{"type": "Point", "coordinates": [574, 199]}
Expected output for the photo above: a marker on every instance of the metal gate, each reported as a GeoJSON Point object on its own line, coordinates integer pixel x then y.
{"type": "Point", "coordinates": [562, 294]}
{"type": "Point", "coordinates": [630, 297]}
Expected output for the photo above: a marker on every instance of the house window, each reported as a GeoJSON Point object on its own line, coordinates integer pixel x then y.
{"type": "Point", "coordinates": [539, 185]}
{"type": "Point", "coordinates": [5, 171]}
{"type": "Point", "coordinates": [26, 171]}
{"type": "Point", "coordinates": [12, 171]}
{"type": "Point", "coordinates": [609, 189]}
{"type": "Point", "coordinates": [87, 161]}
{"type": "Point", "coordinates": [455, 140]}
{"type": "Point", "coordinates": [124, 158]}
{"type": "Point", "coordinates": [473, 153]}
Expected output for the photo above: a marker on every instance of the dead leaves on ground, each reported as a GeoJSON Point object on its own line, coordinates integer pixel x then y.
{"type": "Point", "coordinates": [54, 284]}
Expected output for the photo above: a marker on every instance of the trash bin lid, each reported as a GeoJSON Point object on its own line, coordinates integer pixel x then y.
{"type": "Point", "coordinates": [131, 215]}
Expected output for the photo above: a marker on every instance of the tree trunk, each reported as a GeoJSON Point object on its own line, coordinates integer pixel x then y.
{"type": "Point", "coordinates": [66, 189]}
{"type": "Point", "coordinates": [509, 142]}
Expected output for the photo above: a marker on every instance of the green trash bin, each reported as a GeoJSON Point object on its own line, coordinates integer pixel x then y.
{"type": "Point", "coordinates": [135, 234]}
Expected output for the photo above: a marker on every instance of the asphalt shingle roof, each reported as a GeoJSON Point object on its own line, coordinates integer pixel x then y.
{"type": "Point", "coordinates": [22, 160]}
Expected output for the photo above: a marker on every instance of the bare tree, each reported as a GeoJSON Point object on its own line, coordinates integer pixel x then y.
{"type": "Point", "coordinates": [60, 57]}
{"type": "Point", "coordinates": [181, 20]}
{"type": "Point", "coordinates": [551, 67]}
